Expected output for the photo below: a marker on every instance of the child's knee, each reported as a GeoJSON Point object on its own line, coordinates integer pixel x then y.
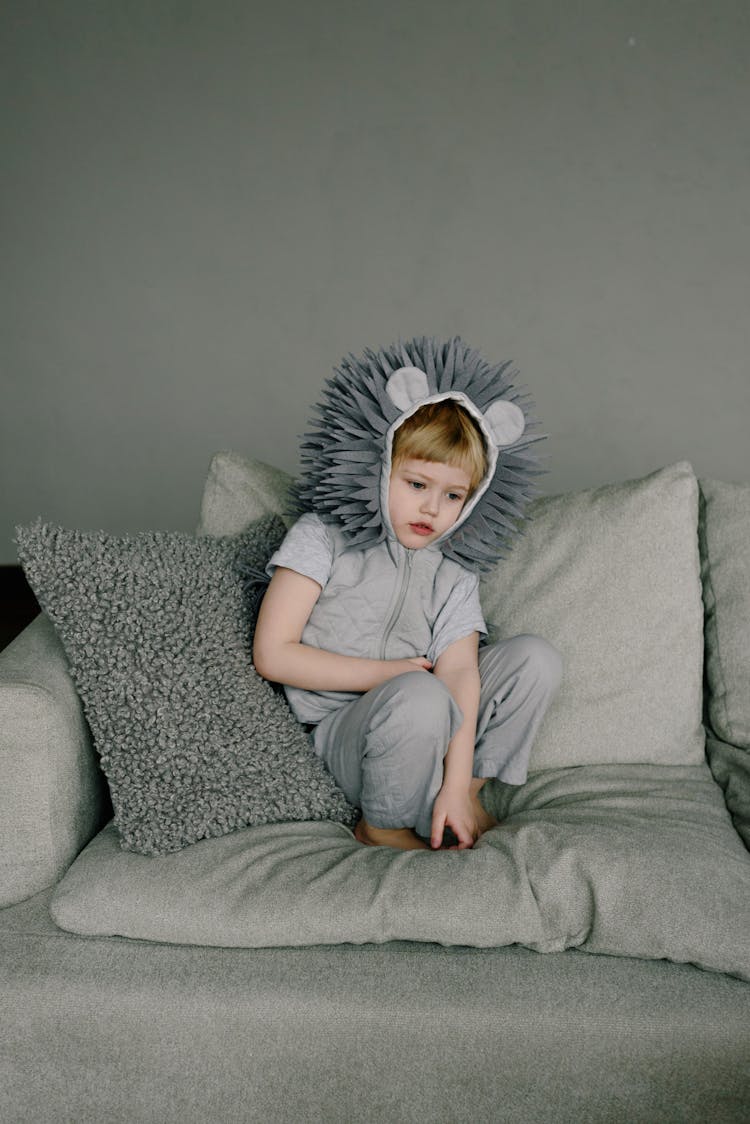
{"type": "Point", "coordinates": [408, 738]}
{"type": "Point", "coordinates": [543, 659]}
{"type": "Point", "coordinates": [524, 660]}
{"type": "Point", "coordinates": [420, 693]}
{"type": "Point", "coordinates": [417, 709]}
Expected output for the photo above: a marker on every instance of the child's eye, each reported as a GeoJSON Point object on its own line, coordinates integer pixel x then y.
{"type": "Point", "coordinates": [417, 484]}
{"type": "Point", "coordinates": [454, 496]}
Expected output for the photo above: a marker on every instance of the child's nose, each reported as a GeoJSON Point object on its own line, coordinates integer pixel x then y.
{"type": "Point", "coordinates": [430, 503]}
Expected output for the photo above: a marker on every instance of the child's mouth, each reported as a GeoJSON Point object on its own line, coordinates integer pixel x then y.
{"type": "Point", "coordinates": [421, 528]}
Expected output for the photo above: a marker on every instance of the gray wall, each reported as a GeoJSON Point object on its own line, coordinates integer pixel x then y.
{"type": "Point", "coordinates": [207, 204]}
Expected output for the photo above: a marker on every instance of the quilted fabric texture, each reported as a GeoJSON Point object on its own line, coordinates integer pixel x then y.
{"type": "Point", "coordinates": [158, 630]}
{"type": "Point", "coordinates": [629, 860]}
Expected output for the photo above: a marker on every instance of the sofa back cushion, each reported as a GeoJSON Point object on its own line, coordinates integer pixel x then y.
{"type": "Point", "coordinates": [238, 491]}
{"type": "Point", "coordinates": [725, 557]}
{"type": "Point", "coordinates": [610, 576]}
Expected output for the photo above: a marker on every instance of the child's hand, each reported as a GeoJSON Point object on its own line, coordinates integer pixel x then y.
{"type": "Point", "coordinates": [456, 810]}
{"type": "Point", "coordinates": [392, 668]}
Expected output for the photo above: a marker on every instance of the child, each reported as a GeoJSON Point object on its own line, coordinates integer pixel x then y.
{"type": "Point", "coordinates": [372, 617]}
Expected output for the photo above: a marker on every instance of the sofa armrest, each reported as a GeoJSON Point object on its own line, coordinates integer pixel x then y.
{"type": "Point", "coordinates": [53, 796]}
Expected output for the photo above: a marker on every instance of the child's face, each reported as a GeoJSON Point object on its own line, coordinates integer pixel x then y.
{"type": "Point", "coordinates": [425, 499]}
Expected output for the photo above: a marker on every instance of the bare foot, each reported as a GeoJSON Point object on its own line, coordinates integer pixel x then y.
{"type": "Point", "coordinates": [401, 837]}
{"type": "Point", "coordinates": [484, 820]}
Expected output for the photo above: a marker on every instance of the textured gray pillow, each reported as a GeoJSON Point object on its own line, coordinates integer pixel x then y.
{"type": "Point", "coordinates": [157, 628]}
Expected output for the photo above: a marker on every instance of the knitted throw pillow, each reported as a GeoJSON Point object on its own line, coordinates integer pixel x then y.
{"type": "Point", "coordinates": [158, 631]}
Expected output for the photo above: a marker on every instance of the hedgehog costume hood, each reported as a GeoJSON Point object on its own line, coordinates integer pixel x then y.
{"type": "Point", "coordinates": [346, 459]}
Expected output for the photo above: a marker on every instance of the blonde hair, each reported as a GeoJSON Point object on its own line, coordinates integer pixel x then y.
{"type": "Point", "coordinates": [445, 433]}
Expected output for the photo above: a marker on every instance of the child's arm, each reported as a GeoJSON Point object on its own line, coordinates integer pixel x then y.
{"type": "Point", "coordinates": [458, 668]}
{"type": "Point", "coordinates": [279, 655]}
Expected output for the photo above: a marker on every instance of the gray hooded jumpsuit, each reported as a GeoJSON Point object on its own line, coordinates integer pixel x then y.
{"type": "Point", "coordinates": [381, 600]}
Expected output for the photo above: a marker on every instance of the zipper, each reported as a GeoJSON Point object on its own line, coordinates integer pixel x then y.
{"type": "Point", "coordinates": [404, 574]}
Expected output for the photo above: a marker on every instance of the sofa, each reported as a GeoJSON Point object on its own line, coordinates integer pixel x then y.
{"type": "Point", "coordinates": [173, 948]}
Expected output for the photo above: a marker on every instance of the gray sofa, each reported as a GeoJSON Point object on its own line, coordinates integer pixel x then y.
{"type": "Point", "coordinates": [588, 960]}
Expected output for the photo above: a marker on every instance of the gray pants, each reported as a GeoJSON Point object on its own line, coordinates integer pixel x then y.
{"type": "Point", "coordinates": [386, 748]}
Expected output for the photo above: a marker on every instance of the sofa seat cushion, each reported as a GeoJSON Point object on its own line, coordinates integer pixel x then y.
{"type": "Point", "coordinates": [630, 860]}
{"type": "Point", "coordinates": [158, 629]}
{"type": "Point", "coordinates": [610, 576]}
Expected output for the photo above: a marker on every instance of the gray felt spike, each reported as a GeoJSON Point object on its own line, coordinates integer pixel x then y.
{"type": "Point", "coordinates": [487, 388]}
{"type": "Point", "coordinates": [438, 354]}
{"type": "Point", "coordinates": [464, 378]}
{"type": "Point", "coordinates": [375, 420]}
{"type": "Point", "coordinates": [424, 350]}
{"type": "Point", "coordinates": [363, 456]}
{"type": "Point", "coordinates": [384, 362]}
{"type": "Point", "coordinates": [375, 371]}
{"type": "Point", "coordinates": [406, 358]}
{"type": "Point", "coordinates": [348, 468]}
{"type": "Point", "coordinates": [368, 382]}
{"type": "Point", "coordinates": [449, 366]}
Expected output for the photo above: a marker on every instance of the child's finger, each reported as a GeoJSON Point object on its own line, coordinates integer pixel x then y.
{"type": "Point", "coordinates": [436, 837]}
{"type": "Point", "coordinates": [464, 836]}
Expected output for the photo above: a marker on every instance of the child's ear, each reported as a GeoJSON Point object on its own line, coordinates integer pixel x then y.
{"type": "Point", "coordinates": [406, 387]}
{"type": "Point", "coordinates": [505, 421]}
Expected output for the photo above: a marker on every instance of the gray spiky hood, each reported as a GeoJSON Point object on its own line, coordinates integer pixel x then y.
{"type": "Point", "coordinates": [346, 459]}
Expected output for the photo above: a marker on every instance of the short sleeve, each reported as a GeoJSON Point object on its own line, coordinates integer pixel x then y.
{"type": "Point", "coordinates": [307, 549]}
{"type": "Point", "coordinates": [460, 616]}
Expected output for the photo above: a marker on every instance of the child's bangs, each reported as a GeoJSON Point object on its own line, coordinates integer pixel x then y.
{"type": "Point", "coordinates": [445, 433]}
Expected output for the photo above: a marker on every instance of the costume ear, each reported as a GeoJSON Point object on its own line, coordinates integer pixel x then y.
{"type": "Point", "coordinates": [506, 421]}
{"type": "Point", "coordinates": [406, 387]}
